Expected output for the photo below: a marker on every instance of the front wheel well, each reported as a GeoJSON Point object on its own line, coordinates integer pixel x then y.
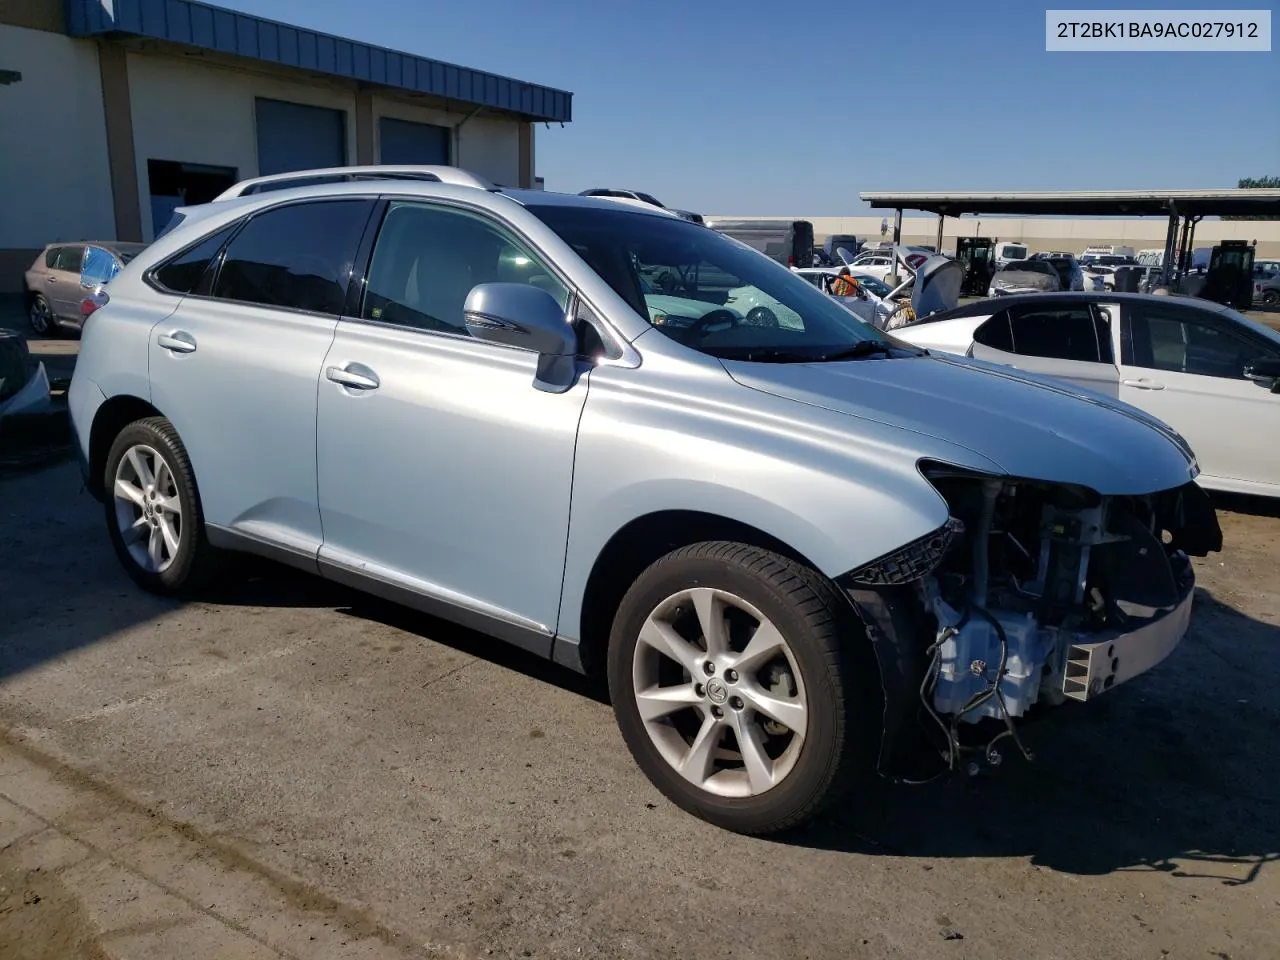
{"type": "Point", "coordinates": [112, 417]}
{"type": "Point", "coordinates": [633, 548]}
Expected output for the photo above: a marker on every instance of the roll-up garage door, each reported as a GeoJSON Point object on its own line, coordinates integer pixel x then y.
{"type": "Point", "coordinates": [295, 136]}
{"type": "Point", "coordinates": [401, 141]}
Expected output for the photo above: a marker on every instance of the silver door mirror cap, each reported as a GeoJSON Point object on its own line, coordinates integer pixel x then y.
{"type": "Point", "coordinates": [522, 315]}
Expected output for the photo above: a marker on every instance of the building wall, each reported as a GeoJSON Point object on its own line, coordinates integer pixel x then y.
{"type": "Point", "coordinates": [1044, 233]}
{"type": "Point", "coordinates": [196, 112]}
{"type": "Point", "coordinates": [55, 175]}
{"type": "Point", "coordinates": [54, 183]}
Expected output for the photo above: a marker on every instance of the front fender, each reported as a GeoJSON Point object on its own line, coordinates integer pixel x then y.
{"type": "Point", "coordinates": [838, 490]}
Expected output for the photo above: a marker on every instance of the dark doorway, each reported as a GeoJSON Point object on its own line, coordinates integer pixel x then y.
{"type": "Point", "coordinates": [174, 184]}
{"type": "Point", "coordinates": [296, 136]}
{"type": "Point", "coordinates": [401, 141]}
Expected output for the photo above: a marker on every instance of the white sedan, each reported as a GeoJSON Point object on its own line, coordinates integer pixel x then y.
{"type": "Point", "coordinates": [1206, 370]}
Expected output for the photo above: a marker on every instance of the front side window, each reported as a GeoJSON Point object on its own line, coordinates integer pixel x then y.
{"type": "Point", "coordinates": [427, 259]}
{"type": "Point", "coordinates": [1063, 334]}
{"type": "Point", "coordinates": [298, 256]}
{"type": "Point", "coordinates": [1161, 339]}
{"type": "Point", "coordinates": [709, 292]}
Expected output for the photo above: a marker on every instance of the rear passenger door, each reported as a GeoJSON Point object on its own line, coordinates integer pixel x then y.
{"type": "Point", "coordinates": [235, 366]}
{"type": "Point", "coordinates": [444, 474]}
{"type": "Point", "coordinates": [1071, 342]}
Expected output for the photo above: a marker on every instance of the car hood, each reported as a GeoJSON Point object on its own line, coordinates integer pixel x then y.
{"type": "Point", "coordinates": [1030, 427]}
{"type": "Point", "coordinates": [1025, 278]}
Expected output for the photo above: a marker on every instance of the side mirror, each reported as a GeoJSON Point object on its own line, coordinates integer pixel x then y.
{"type": "Point", "coordinates": [521, 315]}
{"type": "Point", "coordinates": [1264, 372]}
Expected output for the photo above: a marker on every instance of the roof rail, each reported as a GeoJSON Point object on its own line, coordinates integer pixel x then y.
{"type": "Point", "coordinates": [299, 178]}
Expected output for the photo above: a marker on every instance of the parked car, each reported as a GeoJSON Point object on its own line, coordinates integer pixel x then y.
{"type": "Point", "coordinates": [878, 262]}
{"type": "Point", "coordinates": [1070, 274]}
{"type": "Point", "coordinates": [1266, 289]}
{"type": "Point", "coordinates": [1007, 252]}
{"type": "Point", "coordinates": [1209, 372]}
{"type": "Point", "coordinates": [643, 198]}
{"type": "Point", "coordinates": [780, 544]}
{"type": "Point", "coordinates": [52, 284]}
{"type": "Point", "coordinates": [1107, 253]}
{"type": "Point", "coordinates": [1099, 270]}
{"type": "Point", "coordinates": [1024, 276]}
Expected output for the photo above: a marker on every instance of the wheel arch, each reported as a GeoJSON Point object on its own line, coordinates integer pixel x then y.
{"type": "Point", "coordinates": [112, 416]}
{"type": "Point", "coordinates": [630, 550]}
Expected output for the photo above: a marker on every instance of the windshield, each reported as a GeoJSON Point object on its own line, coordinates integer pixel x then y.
{"type": "Point", "coordinates": [1015, 253]}
{"type": "Point", "coordinates": [707, 291]}
{"type": "Point", "coordinates": [878, 287]}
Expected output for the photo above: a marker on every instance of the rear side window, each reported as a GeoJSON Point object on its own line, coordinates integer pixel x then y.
{"type": "Point", "coordinates": [183, 274]}
{"type": "Point", "coordinates": [69, 259]}
{"type": "Point", "coordinates": [1063, 334]}
{"type": "Point", "coordinates": [298, 257]}
{"type": "Point", "coordinates": [995, 333]}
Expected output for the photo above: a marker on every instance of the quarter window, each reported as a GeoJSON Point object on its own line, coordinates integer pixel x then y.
{"type": "Point", "coordinates": [1161, 339]}
{"type": "Point", "coordinates": [51, 257]}
{"type": "Point", "coordinates": [1063, 334]}
{"type": "Point", "coordinates": [298, 257]}
{"type": "Point", "coordinates": [995, 333]}
{"type": "Point", "coordinates": [427, 259]}
{"type": "Point", "coordinates": [188, 272]}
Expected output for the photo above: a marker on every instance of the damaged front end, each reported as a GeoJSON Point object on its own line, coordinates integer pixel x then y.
{"type": "Point", "coordinates": [1032, 594]}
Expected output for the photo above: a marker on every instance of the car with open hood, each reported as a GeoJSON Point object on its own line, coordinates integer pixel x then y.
{"type": "Point", "coordinates": [799, 549]}
{"type": "Point", "coordinates": [1024, 276]}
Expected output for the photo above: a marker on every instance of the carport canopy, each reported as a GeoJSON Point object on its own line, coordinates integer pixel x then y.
{"type": "Point", "coordinates": [1187, 206]}
{"type": "Point", "coordinates": [1088, 203]}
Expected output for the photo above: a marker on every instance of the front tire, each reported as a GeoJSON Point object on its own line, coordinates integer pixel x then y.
{"type": "Point", "coordinates": [153, 512]}
{"type": "Point", "coordinates": [740, 682]}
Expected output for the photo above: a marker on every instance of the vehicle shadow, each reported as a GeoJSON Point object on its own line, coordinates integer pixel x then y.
{"type": "Point", "coordinates": [1247, 504]}
{"type": "Point", "coordinates": [1174, 773]}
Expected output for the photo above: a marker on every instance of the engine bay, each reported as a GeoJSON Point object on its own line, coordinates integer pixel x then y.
{"type": "Point", "coordinates": [1033, 594]}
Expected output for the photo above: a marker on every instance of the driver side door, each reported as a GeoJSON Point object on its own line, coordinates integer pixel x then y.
{"type": "Point", "coordinates": [444, 474]}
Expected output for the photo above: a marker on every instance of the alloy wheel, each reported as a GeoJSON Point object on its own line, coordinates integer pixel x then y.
{"type": "Point", "coordinates": [719, 692]}
{"type": "Point", "coordinates": [39, 315]}
{"type": "Point", "coordinates": [148, 510]}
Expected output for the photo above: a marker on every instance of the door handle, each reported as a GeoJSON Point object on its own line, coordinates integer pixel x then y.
{"type": "Point", "coordinates": [178, 342]}
{"type": "Point", "coordinates": [354, 375]}
{"type": "Point", "coordinates": [1143, 384]}
{"type": "Point", "coordinates": [51, 279]}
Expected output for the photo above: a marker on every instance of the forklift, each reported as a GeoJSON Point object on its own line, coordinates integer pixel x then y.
{"type": "Point", "coordinates": [1229, 280]}
{"type": "Point", "coordinates": [977, 255]}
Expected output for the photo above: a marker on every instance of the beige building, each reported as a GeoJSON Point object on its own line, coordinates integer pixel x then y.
{"type": "Point", "coordinates": [116, 112]}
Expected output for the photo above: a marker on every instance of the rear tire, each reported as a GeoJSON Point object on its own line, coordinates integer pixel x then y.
{"type": "Point", "coordinates": [1271, 298]}
{"type": "Point", "coordinates": [763, 747]}
{"type": "Point", "coordinates": [153, 513]}
{"type": "Point", "coordinates": [40, 316]}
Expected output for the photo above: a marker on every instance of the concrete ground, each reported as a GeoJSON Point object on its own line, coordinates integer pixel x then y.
{"type": "Point", "coordinates": [291, 769]}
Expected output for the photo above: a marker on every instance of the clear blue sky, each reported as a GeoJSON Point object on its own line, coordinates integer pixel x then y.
{"type": "Point", "coordinates": [756, 107]}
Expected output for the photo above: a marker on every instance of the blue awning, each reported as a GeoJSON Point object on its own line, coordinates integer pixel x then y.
{"type": "Point", "coordinates": [239, 34]}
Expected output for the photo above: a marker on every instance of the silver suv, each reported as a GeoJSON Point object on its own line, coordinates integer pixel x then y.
{"type": "Point", "coordinates": [800, 550]}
